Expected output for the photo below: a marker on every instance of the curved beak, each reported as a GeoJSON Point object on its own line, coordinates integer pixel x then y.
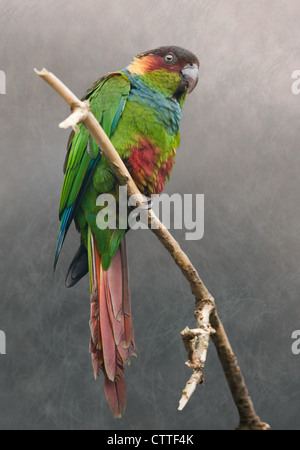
{"type": "Point", "coordinates": [190, 75]}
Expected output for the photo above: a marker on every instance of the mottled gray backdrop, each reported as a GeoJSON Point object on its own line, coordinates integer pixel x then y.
{"type": "Point", "coordinates": [240, 147]}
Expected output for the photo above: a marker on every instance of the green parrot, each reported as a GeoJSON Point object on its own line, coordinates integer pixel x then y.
{"type": "Point", "coordinates": [139, 108]}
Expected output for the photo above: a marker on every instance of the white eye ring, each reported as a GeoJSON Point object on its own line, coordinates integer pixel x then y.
{"type": "Point", "coordinates": [169, 57]}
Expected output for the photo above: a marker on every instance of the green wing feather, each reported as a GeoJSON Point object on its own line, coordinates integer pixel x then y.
{"type": "Point", "coordinates": [106, 97]}
{"type": "Point", "coordinates": [107, 100]}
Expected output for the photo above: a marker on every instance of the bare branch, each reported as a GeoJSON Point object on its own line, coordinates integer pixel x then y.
{"type": "Point", "coordinates": [208, 323]}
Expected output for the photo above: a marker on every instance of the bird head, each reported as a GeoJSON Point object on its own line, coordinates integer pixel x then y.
{"type": "Point", "coordinates": [171, 70]}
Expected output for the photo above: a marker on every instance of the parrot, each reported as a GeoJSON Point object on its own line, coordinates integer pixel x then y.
{"type": "Point", "coordinates": [139, 108]}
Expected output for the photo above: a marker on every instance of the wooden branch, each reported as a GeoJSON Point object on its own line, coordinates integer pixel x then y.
{"type": "Point", "coordinates": [196, 344]}
{"type": "Point", "coordinates": [208, 323]}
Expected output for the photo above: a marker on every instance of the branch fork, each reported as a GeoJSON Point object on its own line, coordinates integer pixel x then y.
{"type": "Point", "coordinates": [196, 343]}
{"type": "Point", "coordinates": [79, 114]}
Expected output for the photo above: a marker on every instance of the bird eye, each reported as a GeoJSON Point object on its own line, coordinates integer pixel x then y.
{"type": "Point", "coordinates": [169, 58]}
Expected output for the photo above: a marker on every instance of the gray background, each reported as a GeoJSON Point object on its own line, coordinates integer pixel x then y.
{"type": "Point", "coordinates": [240, 147]}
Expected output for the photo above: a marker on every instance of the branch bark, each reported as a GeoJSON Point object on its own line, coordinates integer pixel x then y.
{"type": "Point", "coordinates": [196, 341]}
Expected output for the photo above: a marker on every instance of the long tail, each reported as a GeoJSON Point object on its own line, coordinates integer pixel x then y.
{"type": "Point", "coordinates": [112, 339]}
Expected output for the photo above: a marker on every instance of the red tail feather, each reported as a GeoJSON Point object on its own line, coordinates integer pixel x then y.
{"type": "Point", "coordinates": [112, 339]}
